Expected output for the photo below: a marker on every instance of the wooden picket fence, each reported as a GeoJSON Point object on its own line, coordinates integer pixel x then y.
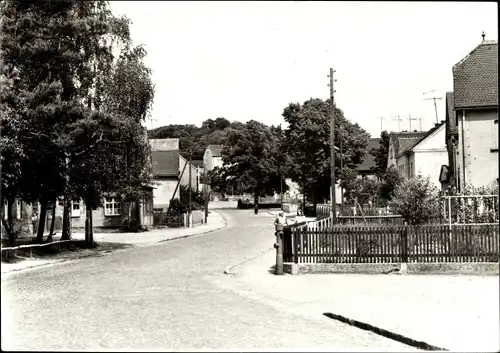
{"type": "Point", "coordinates": [390, 244]}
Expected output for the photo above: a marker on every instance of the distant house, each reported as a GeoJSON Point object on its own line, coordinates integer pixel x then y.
{"type": "Point", "coordinates": [213, 157]}
{"type": "Point", "coordinates": [424, 155]}
{"type": "Point", "coordinates": [365, 169]}
{"type": "Point", "coordinates": [475, 93]}
{"type": "Point", "coordinates": [170, 170]}
{"type": "Point", "coordinates": [399, 142]}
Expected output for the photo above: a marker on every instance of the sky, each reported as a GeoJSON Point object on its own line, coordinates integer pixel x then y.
{"type": "Point", "coordinates": [249, 60]}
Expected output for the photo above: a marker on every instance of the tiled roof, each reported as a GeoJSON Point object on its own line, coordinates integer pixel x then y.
{"type": "Point", "coordinates": [168, 144]}
{"type": "Point", "coordinates": [410, 139]}
{"type": "Point", "coordinates": [165, 163]}
{"type": "Point", "coordinates": [369, 159]}
{"type": "Point", "coordinates": [475, 78]}
{"type": "Point", "coordinates": [216, 150]}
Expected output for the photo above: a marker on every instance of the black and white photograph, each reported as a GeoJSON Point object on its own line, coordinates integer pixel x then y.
{"type": "Point", "coordinates": [249, 176]}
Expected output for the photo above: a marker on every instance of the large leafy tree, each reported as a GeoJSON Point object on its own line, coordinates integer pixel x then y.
{"type": "Point", "coordinates": [71, 124]}
{"type": "Point", "coordinates": [250, 158]}
{"type": "Point", "coordinates": [308, 145]}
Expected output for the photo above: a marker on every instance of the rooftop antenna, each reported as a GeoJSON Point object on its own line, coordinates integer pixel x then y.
{"type": "Point", "coordinates": [483, 35]}
{"type": "Point", "coordinates": [435, 106]}
{"type": "Point", "coordinates": [410, 119]}
{"type": "Point", "coordinates": [399, 119]}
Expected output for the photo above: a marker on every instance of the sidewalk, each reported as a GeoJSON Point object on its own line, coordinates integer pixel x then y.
{"type": "Point", "coordinates": [153, 237]}
{"type": "Point", "coordinates": [459, 313]}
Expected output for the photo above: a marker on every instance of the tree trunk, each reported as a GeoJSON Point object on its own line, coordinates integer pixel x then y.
{"type": "Point", "coordinates": [53, 221]}
{"type": "Point", "coordinates": [66, 226]}
{"type": "Point", "coordinates": [256, 198]}
{"type": "Point", "coordinates": [89, 236]}
{"type": "Point", "coordinates": [7, 223]}
{"type": "Point", "coordinates": [41, 222]}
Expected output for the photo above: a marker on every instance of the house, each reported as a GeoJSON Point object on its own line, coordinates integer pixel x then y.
{"type": "Point", "coordinates": [399, 142]}
{"type": "Point", "coordinates": [424, 155]}
{"type": "Point", "coordinates": [213, 157]}
{"type": "Point", "coordinates": [170, 169]}
{"type": "Point", "coordinates": [475, 101]}
{"type": "Point", "coordinates": [365, 169]}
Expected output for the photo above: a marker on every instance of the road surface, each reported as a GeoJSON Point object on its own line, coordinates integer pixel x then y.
{"type": "Point", "coordinates": [165, 297]}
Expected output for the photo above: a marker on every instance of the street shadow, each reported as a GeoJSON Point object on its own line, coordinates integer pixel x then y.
{"type": "Point", "coordinates": [272, 270]}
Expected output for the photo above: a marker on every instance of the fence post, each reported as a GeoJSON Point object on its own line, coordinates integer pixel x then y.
{"type": "Point", "coordinates": [296, 244]}
{"type": "Point", "coordinates": [404, 249]}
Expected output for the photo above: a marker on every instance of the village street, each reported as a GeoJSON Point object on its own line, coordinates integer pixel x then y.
{"type": "Point", "coordinates": [165, 297]}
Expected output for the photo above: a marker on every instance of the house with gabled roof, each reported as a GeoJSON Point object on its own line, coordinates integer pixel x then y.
{"type": "Point", "coordinates": [475, 93]}
{"type": "Point", "coordinates": [424, 155]}
{"type": "Point", "coordinates": [213, 157]}
{"type": "Point", "coordinates": [170, 170]}
{"type": "Point", "coordinates": [365, 168]}
{"type": "Point", "coordinates": [399, 142]}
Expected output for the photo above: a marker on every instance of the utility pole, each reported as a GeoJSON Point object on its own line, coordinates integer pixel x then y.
{"type": "Point", "coordinates": [399, 119]}
{"type": "Point", "coordinates": [205, 190]}
{"type": "Point", "coordinates": [332, 146]}
{"type": "Point", "coordinates": [189, 214]}
{"type": "Point", "coordinates": [341, 135]}
{"type": "Point", "coordinates": [381, 118]}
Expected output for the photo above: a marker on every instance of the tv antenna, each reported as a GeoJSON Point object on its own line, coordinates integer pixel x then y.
{"type": "Point", "coordinates": [410, 119]}
{"type": "Point", "coordinates": [435, 106]}
{"type": "Point", "coordinates": [399, 119]}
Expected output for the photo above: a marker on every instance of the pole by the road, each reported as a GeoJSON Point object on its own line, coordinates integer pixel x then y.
{"type": "Point", "coordinates": [332, 148]}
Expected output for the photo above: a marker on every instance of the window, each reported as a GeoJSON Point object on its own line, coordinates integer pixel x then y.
{"type": "Point", "coordinates": [75, 208]}
{"type": "Point", "coordinates": [111, 206]}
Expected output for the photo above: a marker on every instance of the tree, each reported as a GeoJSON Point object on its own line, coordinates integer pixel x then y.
{"type": "Point", "coordinates": [381, 154]}
{"type": "Point", "coordinates": [390, 180]}
{"type": "Point", "coordinates": [358, 190]}
{"type": "Point", "coordinates": [250, 159]}
{"type": "Point", "coordinates": [308, 144]}
{"type": "Point", "coordinates": [416, 200]}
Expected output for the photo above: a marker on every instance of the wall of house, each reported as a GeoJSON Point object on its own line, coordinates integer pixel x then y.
{"type": "Point", "coordinates": [98, 218]}
{"type": "Point", "coordinates": [164, 191]}
{"type": "Point", "coordinates": [207, 160]}
{"type": "Point", "coordinates": [185, 176]}
{"type": "Point", "coordinates": [401, 166]}
{"type": "Point", "coordinates": [430, 155]}
{"type": "Point", "coordinates": [391, 161]}
{"type": "Point", "coordinates": [217, 162]}
{"type": "Point", "coordinates": [477, 137]}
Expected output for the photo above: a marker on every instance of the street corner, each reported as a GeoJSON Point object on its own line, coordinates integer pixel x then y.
{"type": "Point", "coordinates": [258, 265]}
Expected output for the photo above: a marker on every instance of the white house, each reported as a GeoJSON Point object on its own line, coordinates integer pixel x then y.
{"type": "Point", "coordinates": [212, 157]}
{"type": "Point", "coordinates": [475, 86]}
{"type": "Point", "coordinates": [425, 155]}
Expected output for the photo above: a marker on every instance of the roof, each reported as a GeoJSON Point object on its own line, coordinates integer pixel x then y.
{"type": "Point", "coordinates": [215, 150]}
{"type": "Point", "coordinates": [409, 145]}
{"type": "Point", "coordinates": [475, 78]}
{"type": "Point", "coordinates": [404, 140]}
{"type": "Point", "coordinates": [165, 163]}
{"type": "Point", "coordinates": [169, 144]}
{"type": "Point", "coordinates": [369, 159]}
{"type": "Point", "coordinates": [197, 163]}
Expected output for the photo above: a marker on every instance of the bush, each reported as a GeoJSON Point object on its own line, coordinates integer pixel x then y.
{"type": "Point", "coordinates": [130, 225]}
{"type": "Point", "coordinates": [416, 200]}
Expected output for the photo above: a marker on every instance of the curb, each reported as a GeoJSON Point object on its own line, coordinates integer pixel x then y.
{"type": "Point", "coordinates": [131, 246]}
{"type": "Point", "coordinates": [57, 262]}
{"type": "Point", "coordinates": [191, 235]}
{"type": "Point", "coordinates": [385, 333]}
{"type": "Point", "coordinates": [228, 271]}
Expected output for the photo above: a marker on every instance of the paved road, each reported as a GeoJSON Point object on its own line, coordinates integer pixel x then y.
{"type": "Point", "coordinates": [164, 298]}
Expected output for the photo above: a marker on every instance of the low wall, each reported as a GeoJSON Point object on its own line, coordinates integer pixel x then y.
{"type": "Point", "coordinates": [438, 268]}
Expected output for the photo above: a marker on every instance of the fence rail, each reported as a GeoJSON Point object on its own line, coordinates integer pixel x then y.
{"type": "Point", "coordinates": [164, 219]}
{"type": "Point", "coordinates": [379, 244]}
